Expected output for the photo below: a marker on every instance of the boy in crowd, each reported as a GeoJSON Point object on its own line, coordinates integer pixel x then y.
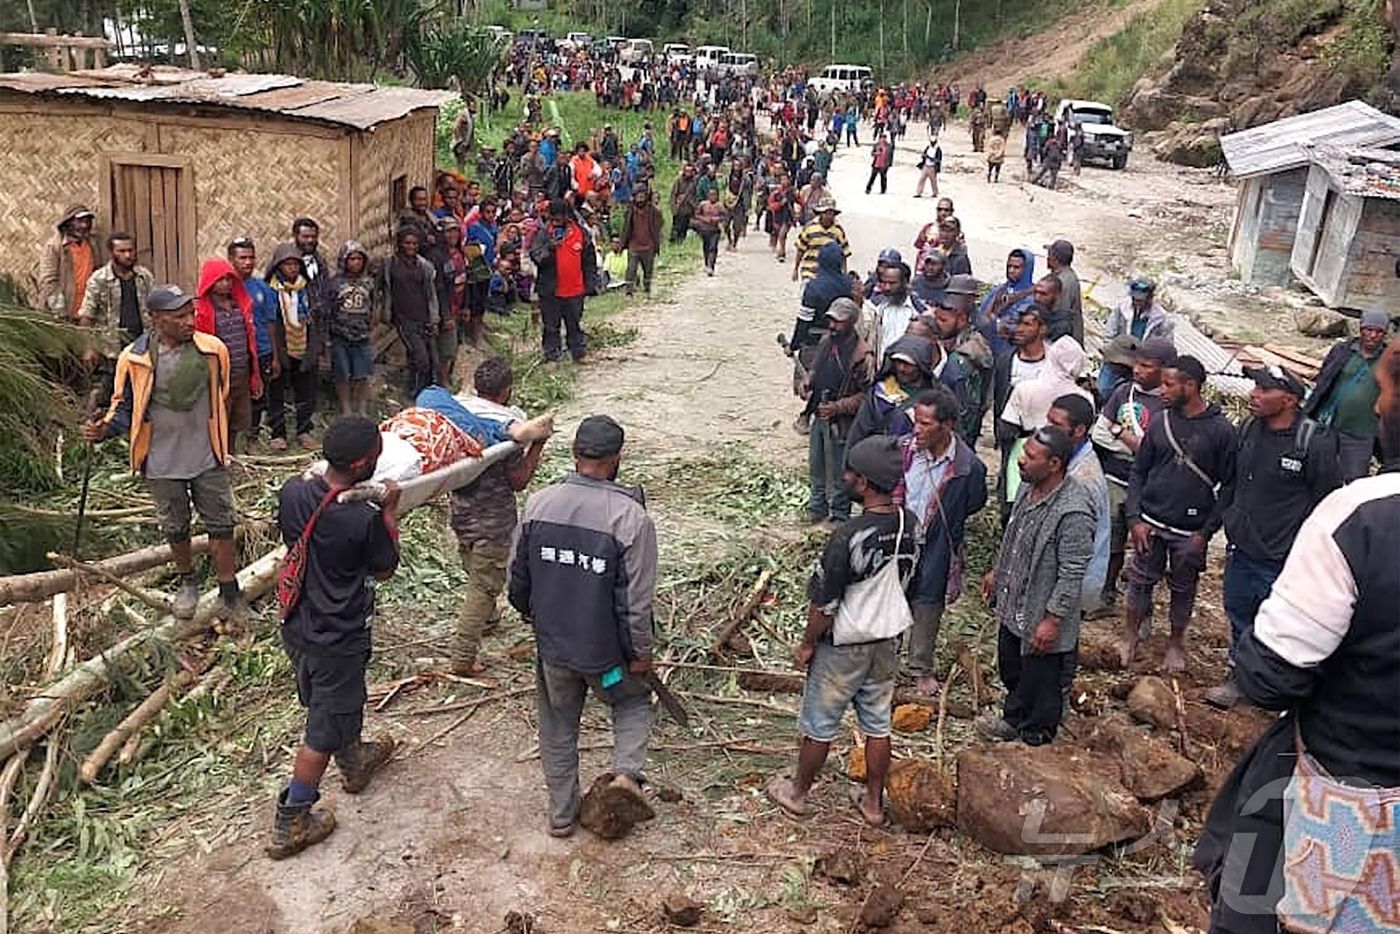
{"type": "Point", "coordinates": [326, 632]}
{"type": "Point", "coordinates": [351, 294]}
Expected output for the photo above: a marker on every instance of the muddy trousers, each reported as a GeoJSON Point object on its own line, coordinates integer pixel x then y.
{"type": "Point", "coordinates": [485, 564]}
{"type": "Point", "coordinates": [923, 637]}
{"type": "Point", "coordinates": [643, 261]}
{"type": "Point", "coordinates": [559, 696]}
{"type": "Point", "coordinates": [1034, 693]}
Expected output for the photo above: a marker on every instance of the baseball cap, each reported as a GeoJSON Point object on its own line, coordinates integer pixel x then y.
{"type": "Point", "coordinates": [1157, 350]}
{"type": "Point", "coordinates": [598, 436]}
{"type": "Point", "coordinates": [1276, 377]}
{"type": "Point", "coordinates": [1141, 285]}
{"type": "Point", "coordinates": [167, 298]}
{"type": "Point", "coordinates": [890, 256]}
{"type": "Point", "coordinates": [826, 204]}
{"type": "Point", "coordinates": [1122, 350]}
{"type": "Point", "coordinates": [878, 459]}
{"type": "Point", "coordinates": [843, 309]}
{"type": "Point", "coordinates": [1375, 319]}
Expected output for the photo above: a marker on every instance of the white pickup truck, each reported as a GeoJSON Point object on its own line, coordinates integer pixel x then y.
{"type": "Point", "coordinates": [1103, 139]}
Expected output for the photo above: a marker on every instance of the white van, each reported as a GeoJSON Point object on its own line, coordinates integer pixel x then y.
{"type": "Point", "coordinates": [708, 56]}
{"type": "Point", "coordinates": [841, 78]}
{"type": "Point", "coordinates": [677, 53]}
{"type": "Point", "coordinates": [738, 63]}
{"type": "Point", "coordinates": [635, 50]}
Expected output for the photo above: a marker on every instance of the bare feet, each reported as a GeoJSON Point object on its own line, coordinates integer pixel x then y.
{"type": "Point", "coordinates": [1175, 659]}
{"type": "Point", "coordinates": [870, 807]}
{"type": "Point", "coordinates": [1127, 642]}
{"type": "Point", "coordinates": [783, 792]}
{"type": "Point", "coordinates": [927, 685]}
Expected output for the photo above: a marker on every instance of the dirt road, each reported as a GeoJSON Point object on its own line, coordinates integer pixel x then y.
{"type": "Point", "coordinates": [453, 836]}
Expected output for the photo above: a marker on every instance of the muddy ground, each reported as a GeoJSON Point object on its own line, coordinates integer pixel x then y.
{"type": "Point", "coordinates": [453, 836]}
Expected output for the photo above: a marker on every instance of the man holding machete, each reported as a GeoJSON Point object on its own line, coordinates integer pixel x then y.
{"type": "Point", "coordinates": [583, 574]}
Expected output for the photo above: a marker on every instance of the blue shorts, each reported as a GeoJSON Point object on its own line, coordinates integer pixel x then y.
{"type": "Point", "coordinates": [351, 360]}
{"type": "Point", "coordinates": [843, 675]}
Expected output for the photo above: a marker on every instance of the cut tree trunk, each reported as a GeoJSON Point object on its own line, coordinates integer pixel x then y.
{"type": "Point", "coordinates": [93, 675]}
{"type": "Point", "coordinates": [30, 588]}
{"type": "Point", "coordinates": [131, 725]}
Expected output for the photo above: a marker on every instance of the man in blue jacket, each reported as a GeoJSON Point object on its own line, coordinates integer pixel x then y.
{"type": "Point", "coordinates": [583, 573]}
{"type": "Point", "coordinates": [944, 482]}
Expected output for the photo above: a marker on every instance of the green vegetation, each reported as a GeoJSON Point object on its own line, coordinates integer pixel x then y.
{"type": "Point", "coordinates": [1108, 71]}
{"type": "Point", "coordinates": [1364, 51]}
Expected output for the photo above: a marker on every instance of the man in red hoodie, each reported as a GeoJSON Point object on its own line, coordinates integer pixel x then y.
{"type": "Point", "coordinates": [223, 308]}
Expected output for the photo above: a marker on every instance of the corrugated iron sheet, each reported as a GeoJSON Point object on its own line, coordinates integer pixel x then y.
{"type": "Point", "coordinates": [1358, 179]}
{"type": "Point", "coordinates": [361, 106]}
{"type": "Point", "coordinates": [1282, 145]}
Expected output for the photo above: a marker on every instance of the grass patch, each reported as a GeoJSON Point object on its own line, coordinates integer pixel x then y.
{"type": "Point", "coordinates": [1111, 67]}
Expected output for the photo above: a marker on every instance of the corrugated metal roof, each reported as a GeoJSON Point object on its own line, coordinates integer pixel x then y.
{"type": "Point", "coordinates": [1370, 173]}
{"type": "Point", "coordinates": [1282, 145]}
{"type": "Point", "coordinates": [361, 106]}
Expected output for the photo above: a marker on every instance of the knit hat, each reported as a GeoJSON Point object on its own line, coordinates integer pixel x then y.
{"type": "Point", "coordinates": [878, 459]}
{"type": "Point", "coordinates": [1157, 350]}
{"type": "Point", "coordinates": [1375, 319]}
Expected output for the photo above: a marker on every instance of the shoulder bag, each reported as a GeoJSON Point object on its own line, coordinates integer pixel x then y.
{"type": "Point", "coordinates": [292, 576]}
{"type": "Point", "coordinates": [874, 609]}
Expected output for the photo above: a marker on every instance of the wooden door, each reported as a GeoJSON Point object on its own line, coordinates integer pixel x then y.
{"type": "Point", "coordinates": [151, 197]}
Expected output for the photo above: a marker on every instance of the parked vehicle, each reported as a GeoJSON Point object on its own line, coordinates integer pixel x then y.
{"type": "Point", "coordinates": [501, 34]}
{"type": "Point", "coordinates": [708, 56]}
{"type": "Point", "coordinates": [1103, 139]}
{"type": "Point", "coordinates": [840, 79]}
{"type": "Point", "coordinates": [738, 63]}
{"type": "Point", "coordinates": [677, 53]}
{"type": "Point", "coordinates": [635, 50]}
{"type": "Point", "coordinates": [535, 39]}
{"type": "Point", "coordinates": [575, 41]}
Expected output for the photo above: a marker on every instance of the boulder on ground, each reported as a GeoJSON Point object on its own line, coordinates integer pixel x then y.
{"type": "Point", "coordinates": [911, 718]}
{"type": "Point", "coordinates": [610, 811]}
{"type": "Point", "coordinates": [1043, 801]}
{"type": "Point", "coordinates": [921, 795]}
{"type": "Point", "coordinates": [681, 910]}
{"type": "Point", "coordinates": [1152, 701]}
{"type": "Point", "coordinates": [1151, 769]}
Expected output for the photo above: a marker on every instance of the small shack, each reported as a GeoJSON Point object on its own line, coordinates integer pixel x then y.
{"type": "Point", "coordinates": [1270, 162]}
{"type": "Point", "coordinates": [1348, 245]}
{"type": "Point", "coordinates": [185, 161]}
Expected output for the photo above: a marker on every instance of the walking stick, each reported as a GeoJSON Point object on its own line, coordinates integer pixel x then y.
{"type": "Point", "coordinates": [89, 413]}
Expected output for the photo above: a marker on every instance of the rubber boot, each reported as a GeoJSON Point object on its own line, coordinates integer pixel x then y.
{"type": "Point", "coordinates": [297, 827]}
{"type": "Point", "coordinates": [186, 599]}
{"type": "Point", "coordinates": [359, 761]}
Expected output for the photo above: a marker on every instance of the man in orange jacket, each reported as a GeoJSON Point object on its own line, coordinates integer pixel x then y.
{"type": "Point", "coordinates": [170, 399]}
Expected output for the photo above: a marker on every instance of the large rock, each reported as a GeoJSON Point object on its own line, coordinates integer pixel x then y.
{"type": "Point", "coordinates": [1152, 701]}
{"type": "Point", "coordinates": [921, 795]}
{"type": "Point", "coordinates": [1048, 800]}
{"type": "Point", "coordinates": [1150, 768]}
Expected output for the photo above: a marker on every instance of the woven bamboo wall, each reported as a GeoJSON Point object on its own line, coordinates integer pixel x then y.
{"type": "Point", "coordinates": [255, 182]}
{"type": "Point", "coordinates": [400, 147]}
{"type": "Point", "coordinates": [47, 163]}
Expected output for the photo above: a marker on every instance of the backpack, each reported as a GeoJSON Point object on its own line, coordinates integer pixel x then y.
{"type": "Point", "coordinates": [1303, 434]}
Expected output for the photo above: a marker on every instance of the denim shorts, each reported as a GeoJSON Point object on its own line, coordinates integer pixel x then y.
{"type": "Point", "coordinates": [844, 675]}
{"type": "Point", "coordinates": [351, 360]}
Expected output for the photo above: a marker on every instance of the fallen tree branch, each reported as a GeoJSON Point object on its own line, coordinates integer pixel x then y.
{"type": "Point", "coordinates": [473, 707]}
{"type": "Point", "coordinates": [36, 801]}
{"type": "Point", "coordinates": [746, 609]}
{"type": "Point", "coordinates": [131, 725]}
{"type": "Point", "coordinates": [30, 588]}
{"type": "Point", "coordinates": [44, 710]}
{"type": "Point", "coordinates": [156, 601]}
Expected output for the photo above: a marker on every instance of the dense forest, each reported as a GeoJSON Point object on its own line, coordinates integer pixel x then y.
{"type": "Point", "coordinates": [368, 38]}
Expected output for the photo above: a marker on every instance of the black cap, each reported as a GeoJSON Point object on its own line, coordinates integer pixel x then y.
{"type": "Point", "coordinates": [167, 298]}
{"type": "Point", "coordinates": [1276, 377]}
{"type": "Point", "coordinates": [1122, 350]}
{"type": "Point", "coordinates": [598, 436]}
{"type": "Point", "coordinates": [878, 459]}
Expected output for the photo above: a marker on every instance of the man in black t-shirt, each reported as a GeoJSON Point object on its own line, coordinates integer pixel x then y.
{"type": "Point", "coordinates": [327, 635]}
{"type": "Point", "coordinates": [859, 673]}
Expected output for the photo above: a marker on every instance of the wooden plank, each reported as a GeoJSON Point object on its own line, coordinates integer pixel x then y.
{"type": "Point", "coordinates": [138, 183]}
{"type": "Point", "coordinates": [186, 213]}
{"type": "Point", "coordinates": [159, 242]}
{"type": "Point", "coordinates": [159, 159]}
{"type": "Point", "coordinates": [170, 180]}
{"type": "Point", "coordinates": [50, 40]}
{"type": "Point", "coordinates": [1297, 356]}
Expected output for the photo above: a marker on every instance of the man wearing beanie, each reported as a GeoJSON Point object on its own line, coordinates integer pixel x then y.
{"type": "Point", "coordinates": [842, 672]}
{"type": "Point", "coordinates": [583, 574]}
{"type": "Point", "coordinates": [1344, 397]}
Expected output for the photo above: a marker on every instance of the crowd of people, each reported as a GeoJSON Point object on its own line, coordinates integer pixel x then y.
{"type": "Point", "coordinates": [1112, 478]}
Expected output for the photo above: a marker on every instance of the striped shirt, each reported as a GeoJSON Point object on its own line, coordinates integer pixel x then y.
{"type": "Point", "coordinates": [810, 242]}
